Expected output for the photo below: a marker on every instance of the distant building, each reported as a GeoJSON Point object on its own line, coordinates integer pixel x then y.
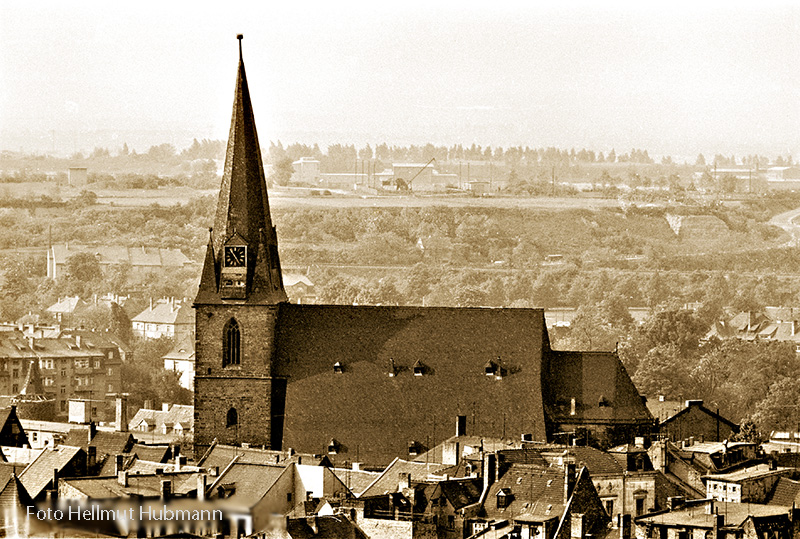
{"type": "Point", "coordinates": [690, 419]}
{"type": "Point", "coordinates": [780, 324]}
{"type": "Point", "coordinates": [142, 260]}
{"type": "Point", "coordinates": [300, 288]}
{"type": "Point", "coordinates": [306, 171]}
{"type": "Point", "coordinates": [166, 317]}
{"type": "Point", "coordinates": [78, 176]}
{"type": "Point", "coordinates": [181, 360]}
{"type": "Point", "coordinates": [753, 484]}
{"type": "Point", "coordinates": [175, 419]}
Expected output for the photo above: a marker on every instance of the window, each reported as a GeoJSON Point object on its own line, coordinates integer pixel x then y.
{"type": "Point", "coordinates": [47, 364]}
{"type": "Point", "coordinates": [110, 354]}
{"type": "Point", "coordinates": [639, 506]}
{"type": "Point", "coordinates": [47, 381]}
{"type": "Point", "coordinates": [96, 363]}
{"type": "Point", "coordinates": [232, 418]}
{"type": "Point", "coordinates": [35, 437]}
{"type": "Point", "coordinates": [15, 388]}
{"type": "Point", "coordinates": [63, 390]}
{"type": "Point", "coordinates": [337, 368]}
{"type": "Point", "coordinates": [63, 373]}
{"type": "Point", "coordinates": [16, 374]}
{"type": "Point", "coordinates": [82, 363]}
{"type": "Point", "coordinates": [63, 406]}
{"type": "Point", "coordinates": [503, 498]}
{"type": "Point", "coordinates": [609, 507]}
{"type": "Point", "coordinates": [231, 344]}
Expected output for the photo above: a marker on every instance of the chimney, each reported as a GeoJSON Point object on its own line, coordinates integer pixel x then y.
{"type": "Point", "coordinates": [719, 523]}
{"type": "Point", "coordinates": [92, 430]}
{"type": "Point", "coordinates": [572, 406]}
{"type": "Point", "coordinates": [577, 526]}
{"type": "Point", "coordinates": [165, 407]}
{"type": "Point", "coordinates": [489, 471]}
{"type": "Point", "coordinates": [569, 479]}
{"type": "Point", "coordinates": [450, 453]}
{"type": "Point", "coordinates": [166, 489]}
{"type": "Point", "coordinates": [624, 525]}
{"type": "Point", "coordinates": [403, 481]}
{"type": "Point", "coordinates": [356, 466]}
{"type": "Point", "coordinates": [201, 487]}
{"type": "Point", "coordinates": [122, 414]}
{"type": "Point", "coordinates": [151, 303]}
{"type": "Point", "coordinates": [674, 502]}
{"type": "Point", "coordinates": [55, 479]}
{"type": "Point", "coordinates": [661, 398]}
{"type": "Point", "coordinates": [794, 327]}
{"type": "Point", "coordinates": [78, 341]}
{"type": "Point", "coordinates": [148, 404]}
{"type": "Point", "coordinates": [313, 524]}
{"type": "Point", "coordinates": [118, 464]}
{"type": "Point", "coordinates": [461, 425]}
{"type": "Point", "coordinates": [710, 507]}
{"type": "Point", "coordinates": [122, 478]}
{"type": "Point", "coordinates": [91, 457]}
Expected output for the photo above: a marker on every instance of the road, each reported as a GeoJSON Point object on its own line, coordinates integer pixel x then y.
{"type": "Point", "coordinates": [785, 221]}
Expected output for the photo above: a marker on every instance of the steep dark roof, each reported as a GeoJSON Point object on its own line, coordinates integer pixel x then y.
{"type": "Point", "coordinates": [388, 481]}
{"type": "Point", "coordinates": [453, 344]}
{"type": "Point", "coordinates": [600, 385]}
{"type": "Point", "coordinates": [462, 492]}
{"type": "Point", "coordinates": [243, 207]}
{"type": "Point", "coordinates": [246, 484]}
{"type": "Point", "coordinates": [700, 408]}
{"type": "Point", "coordinates": [106, 442]}
{"type": "Point", "coordinates": [39, 473]}
{"type": "Point", "coordinates": [327, 527]}
{"type": "Point", "coordinates": [220, 456]}
{"type": "Point", "coordinates": [535, 491]}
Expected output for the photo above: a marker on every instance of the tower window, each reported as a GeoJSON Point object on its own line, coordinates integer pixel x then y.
{"type": "Point", "coordinates": [232, 419]}
{"type": "Point", "coordinates": [231, 344]}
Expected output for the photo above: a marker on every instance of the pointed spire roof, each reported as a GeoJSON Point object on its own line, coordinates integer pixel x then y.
{"type": "Point", "coordinates": [243, 206]}
{"type": "Point", "coordinates": [243, 216]}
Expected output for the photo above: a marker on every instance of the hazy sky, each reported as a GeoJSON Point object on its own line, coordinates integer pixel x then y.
{"type": "Point", "coordinates": [678, 78]}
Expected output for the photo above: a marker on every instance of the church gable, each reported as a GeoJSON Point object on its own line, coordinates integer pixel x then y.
{"type": "Point", "coordinates": [377, 379]}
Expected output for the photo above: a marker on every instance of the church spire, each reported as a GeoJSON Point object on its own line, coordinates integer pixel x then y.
{"type": "Point", "coordinates": [242, 224]}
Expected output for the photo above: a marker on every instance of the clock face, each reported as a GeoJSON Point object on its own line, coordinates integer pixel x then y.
{"type": "Point", "coordinates": [235, 256]}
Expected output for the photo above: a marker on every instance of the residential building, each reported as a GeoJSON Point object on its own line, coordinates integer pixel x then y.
{"type": "Point", "coordinates": [167, 317]}
{"type": "Point", "coordinates": [306, 171]}
{"type": "Point", "coordinates": [752, 484]}
{"type": "Point", "coordinates": [141, 260]}
{"type": "Point", "coordinates": [710, 518]}
{"type": "Point", "coordinates": [173, 419]}
{"type": "Point", "coordinates": [697, 422]}
{"type": "Point", "coordinates": [181, 360]}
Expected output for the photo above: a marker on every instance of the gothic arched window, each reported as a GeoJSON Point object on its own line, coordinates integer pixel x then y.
{"type": "Point", "coordinates": [232, 419]}
{"type": "Point", "coordinates": [231, 344]}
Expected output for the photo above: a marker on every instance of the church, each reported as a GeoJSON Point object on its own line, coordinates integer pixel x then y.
{"type": "Point", "coordinates": [371, 383]}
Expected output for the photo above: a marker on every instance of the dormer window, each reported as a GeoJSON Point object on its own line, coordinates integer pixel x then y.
{"type": "Point", "coordinates": [392, 368]}
{"type": "Point", "coordinates": [333, 447]}
{"type": "Point", "coordinates": [603, 402]}
{"type": "Point", "coordinates": [413, 448]}
{"type": "Point", "coordinates": [494, 368]}
{"type": "Point", "coordinates": [337, 368]}
{"type": "Point", "coordinates": [504, 498]}
{"type": "Point", "coordinates": [419, 368]}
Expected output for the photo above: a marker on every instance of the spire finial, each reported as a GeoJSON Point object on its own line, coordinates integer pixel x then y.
{"type": "Point", "coordinates": [210, 234]}
{"type": "Point", "coordinates": [240, 37]}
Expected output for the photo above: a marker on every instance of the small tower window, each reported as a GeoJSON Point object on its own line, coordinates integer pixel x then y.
{"type": "Point", "coordinates": [231, 344]}
{"type": "Point", "coordinates": [232, 418]}
{"type": "Point", "coordinates": [419, 368]}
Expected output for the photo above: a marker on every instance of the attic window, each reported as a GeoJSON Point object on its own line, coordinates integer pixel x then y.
{"type": "Point", "coordinates": [392, 368]}
{"type": "Point", "coordinates": [549, 482]}
{"type": "Point", "coordinates": [419, 368]}
{"type": "Point", "coordinates": [490, 368]}
{"type": "Point", "coordinates": [504, 497]}
{"type": "Point", "coordinates": [337, 368]}
{"type": "Point", "coordinates": [333, 447]}
{"type": "Point", "coordinates": [413, 448]}
{"type": "Point", "coordinates": [603, 402]}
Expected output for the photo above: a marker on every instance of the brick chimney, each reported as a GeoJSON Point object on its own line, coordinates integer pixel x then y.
{"type": "Point", "coordinates": [450, 453]}
{"type": "Point", "coordinates": [461, 425]}
{"type": "Point", "coordinates": [403, 481]}
{"type": "Point", "coordinates": [91, 457]}
{"type": "Point", "coordinates": [166, 489]}
{"type": "Point", "coordinates": [577, 526]}
{"type": "Point", "coordinates": [489, 471]}
{"type": "Point", "coordinates": [118, 464]}
{"type": "Point", "coordinates": [122, 413]}
{"type": "Point", "coordinates": [569, 479]}
{"type": "Point", "coordinates": [201, 486]}
{"type": "Point", "coordinates": [122, 478]}
{"type": "Point", "coordinates": [91, 431]}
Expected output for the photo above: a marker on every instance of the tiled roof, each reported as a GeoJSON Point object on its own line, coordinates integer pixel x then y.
{"type": "Point", "coordinates": [327, 527]}
{"type": "Point", "coordinates": [695, 515]}
{"type": "Point", "coordinates": [601, 387]}
{"type": "Point", "coordinates": [183, 349]}
{"type": "Point", "coordinates": [598, 462]}
{"type": "Point", "coordinates": [536, 492]}
{"type": "Point", "coordinates": [115, 254]}
{"type": "Point", "coordinates": [109, 487]}
{"type": "Point", "coordinates": [699, 407]}
{"type": "Point", "coordinates": [462, 492]}
{"type": "Point", "coordinates": [665, 409]}
{"type": "Point", "coordinates": [453, 344]}
{"type": "Point", "coordinates": [65, 306]}
{"type": "Point", "coordinates": [221, 455]}
{"type": "Point", "coordinates": [291, 279]}
{"type": "Point", "coordinates": [166, 312]}
{"type": "Point", "coordinates": [355, 480]}
{"type": "Point", "coordinates": [468, 444]}
{"type": "Point", "coordinates": [389, 479]}
{"type": "Point", "coordinates": [786, 493]}
{"type": "Point", "coordinates": [246, 483]}
{"type": "Point", "coordinates": [178, 413]}
{"type": "Point", "coordinates": [106, 442]}
{"type": "Point", "coordinates": [39, 473]}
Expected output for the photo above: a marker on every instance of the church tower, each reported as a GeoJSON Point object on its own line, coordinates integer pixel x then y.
{"type": "Point", "coordinates": [236, 308]}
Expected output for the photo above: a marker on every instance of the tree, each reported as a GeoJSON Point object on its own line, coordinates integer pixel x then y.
{"type": "Point", "coordinates": [282, 171]}
{"type": "Point", "coordinates": [700, 161]}
{"type": "Point", "coordinates": [662, 371]}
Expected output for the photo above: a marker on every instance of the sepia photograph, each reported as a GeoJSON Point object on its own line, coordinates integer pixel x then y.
{"type": "Point", "coordinates": [421, 270]}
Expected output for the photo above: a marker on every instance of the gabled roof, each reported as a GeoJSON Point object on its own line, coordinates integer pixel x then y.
{"type": "Point", "coordinates": [452, 343]}
{"type": "Point", "coordinates": [356, 481]}
{"type": "Point", "coordinates": [387, 481]}
{"type": "Point", "coordinates": [697, 406]}
{"type": "Point", "coordinates": [327, 527]}
{"type": "Point", "coordinates": [220, 456]}
{"type": "Point", "coordinates": [473, 443]}
{"type": "Point", "coordinates": [13, 494]}
{"type": "Point", "coordinates": [149, 486]}
{"type": "Point", "coordinates": [106, 442]}
{"type": "Point", "coordinates": [786, 493]}
{"type": "Point", "coordinates": [165, 311]}
{"type": "Point", "coordinates": [462, 492]}
{"type": "Point", "coordinates": [537, 492]}
{"type": "Point", "coordinates": [692, 515]}
{"type": "Point", "coordinates": [39, 473]}
{"type": "Point", "coordinates": [183, 349]}
{"type": "Point", "coordinates": [65, 305]}
{"type": "Point", "coordinates": [600, 385]}
{"type": "Point", "coordinates": [244, 484]}
{"type": "Point", "coordinates": [178, 413]}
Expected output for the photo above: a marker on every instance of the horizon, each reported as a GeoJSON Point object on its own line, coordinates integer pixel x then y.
{"type": "Point", "coordinates": [679, 82]}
